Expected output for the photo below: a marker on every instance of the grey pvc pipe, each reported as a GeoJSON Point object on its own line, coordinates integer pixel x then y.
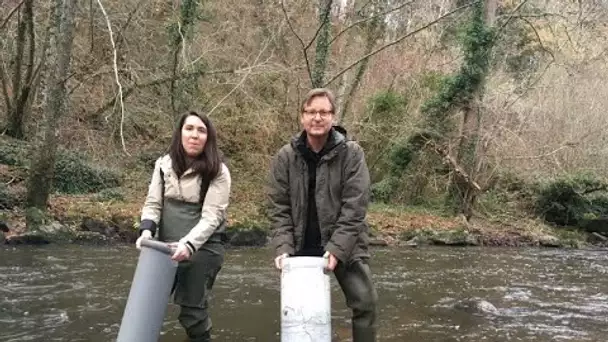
{"type": "Point", "coordinates": [146, 307]}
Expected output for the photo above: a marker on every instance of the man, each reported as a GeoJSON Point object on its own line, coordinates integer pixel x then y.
{"type": "Point", "coordinates": [318, 191]}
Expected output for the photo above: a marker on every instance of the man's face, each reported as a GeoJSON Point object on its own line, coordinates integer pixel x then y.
{"type": "Point", "coordinates": [317, 117]}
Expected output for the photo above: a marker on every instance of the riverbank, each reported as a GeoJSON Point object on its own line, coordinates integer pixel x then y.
{"type": "Point", "coordinates": [111, 214]}
{"type": "Point", "coordinates": [83, 219]}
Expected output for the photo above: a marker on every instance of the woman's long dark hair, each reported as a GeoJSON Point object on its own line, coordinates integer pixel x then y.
{"type": "Point", "coordinates": [208, 163]}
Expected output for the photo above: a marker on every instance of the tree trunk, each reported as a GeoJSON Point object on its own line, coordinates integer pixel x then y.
{"type": "Point", "coordinates": [21, 83]}
{"type": "Point", "coordinates": [322, 50]}
{"type": "Point", "coordinates": [468, 155]}
{"type": "Point", "coordinates": [59, 58]}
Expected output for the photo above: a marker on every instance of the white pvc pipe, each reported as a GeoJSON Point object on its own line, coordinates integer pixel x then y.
{"type": "Point", "coordinates": [305, 300]}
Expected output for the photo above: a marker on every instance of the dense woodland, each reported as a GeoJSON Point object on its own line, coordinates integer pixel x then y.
{"type": "Point", "coordinates": [492, 108]}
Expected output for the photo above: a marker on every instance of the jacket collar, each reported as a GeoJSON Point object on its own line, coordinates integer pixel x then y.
{"type": "Point", "coordinates": [336, 139]}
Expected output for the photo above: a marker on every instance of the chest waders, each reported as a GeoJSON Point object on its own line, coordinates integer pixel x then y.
{"type": "Point", "coordinates": [195, 277]}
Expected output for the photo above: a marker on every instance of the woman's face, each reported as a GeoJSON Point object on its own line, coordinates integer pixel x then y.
{"type": "Point", "coordinates": [194, 136]}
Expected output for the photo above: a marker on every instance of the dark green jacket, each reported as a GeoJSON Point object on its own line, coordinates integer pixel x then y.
{"type": "Point", "coordinates": [342, 195]}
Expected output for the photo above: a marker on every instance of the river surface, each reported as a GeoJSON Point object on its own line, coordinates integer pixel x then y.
{"type": "Point", "coordinates": [78, 293]}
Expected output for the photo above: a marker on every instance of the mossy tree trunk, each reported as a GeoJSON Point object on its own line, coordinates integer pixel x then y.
{"type": "Point", "coordinates": [322, 47]}
{"type": "Point", "coordinates": [59, 60]}
{"type": "Point", "coordinates": [469, 155]}
{"type": "Point", "coordinates": [17, 95]}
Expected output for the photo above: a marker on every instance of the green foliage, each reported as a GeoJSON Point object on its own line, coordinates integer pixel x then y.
{"type": "Point", "coordinates": [35, 218]}
{"type": "Point", "coordinates": [384, 190]}
{"type": "Point", "coordinates": [384, 109]}
{"type": "Point", "coordinates": [570, 200]}
{"type": "Point", "coordinates": [322, 48]}
{"type": "Point", "coordinates": [386, 105]}
{"type": "Point", "coordinates": [12, 152]}
{"type": "Point", "coordinates": [454, 92]}
{"type": "Point", "coordinates": [477, 41]}
{"type": "Point", "coordinates": [432, 80]}
{"type": "Point", "coordinates": [7, 199]}
{"type": "Point", "coordinates": [73, 175]}
{"type": "Point", "coordinates": [402, 153]}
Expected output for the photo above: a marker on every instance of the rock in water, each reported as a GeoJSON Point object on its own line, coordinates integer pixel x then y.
{"type": "Point", "coordinates": [3, 227]}
{"type": "Point", "coordinates": [476, 306]}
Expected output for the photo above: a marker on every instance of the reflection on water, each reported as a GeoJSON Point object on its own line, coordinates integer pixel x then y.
{"type": "Point", "coordinates": [75, 293]}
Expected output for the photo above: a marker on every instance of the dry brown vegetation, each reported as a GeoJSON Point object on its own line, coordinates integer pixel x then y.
{"type": "Point", "coordinates": [543, 108]}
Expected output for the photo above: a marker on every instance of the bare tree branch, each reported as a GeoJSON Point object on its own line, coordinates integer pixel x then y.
{"type": "Point", "coordinates": [325, 20]}
{"type": "Point", "coordinates": [116, 78]}
{"type": "Point", "coordinates": [298, 37]}
{"type": "Point", "coordinates": [540, 42]}
{"type": "Point", "coordinates": [502, 27]}
{"type": "Point", "coordinates": [123, 28]}
{"type": "Point", "coordinates": [398, 40]}
{"type": "Point", "coordinates": [535, 82]}
{"type": "Point", "coordinates": [358, 22]}
{"type": "Point", "coordinates": [242, 79]}
{"type": "Point", "coordinates": [459, 170]}
{"type": "Point", "coordinates": [162, 80]}
{"type": "Point", "coordinates": [540, 15]}
{"type": "Point", "coordinates": [10, 14]}
{"type": "Point", "coordinates": [567, 144]}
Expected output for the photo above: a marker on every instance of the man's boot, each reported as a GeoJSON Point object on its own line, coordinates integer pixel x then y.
{"type": "Point", "coordinates": [206, 337]}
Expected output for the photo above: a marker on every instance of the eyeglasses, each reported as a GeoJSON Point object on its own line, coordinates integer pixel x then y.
{"type": "Point", "coordinates": [312, 113]}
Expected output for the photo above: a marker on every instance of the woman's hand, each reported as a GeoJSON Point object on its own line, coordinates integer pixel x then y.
{"type": "Point", "coordinates": [145, 235]}
{"type": "Point", "coordinates": [182, 252]}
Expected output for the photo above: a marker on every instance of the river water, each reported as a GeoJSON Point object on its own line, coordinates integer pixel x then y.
{"type": "Point", "coordinates": [78, 293]}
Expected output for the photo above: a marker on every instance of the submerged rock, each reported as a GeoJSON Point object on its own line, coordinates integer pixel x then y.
{"type": "Point", "coordinates": [378, 242]}
{"type": "Point", "coordinates": [454, 237]}
{"type": "Point", "coordinates": [119, 228]}
{"type": "Point", "coordinates": [90, 238]}
{"type": "Point", "coordinates": [598, 225]}
{"type": "Point", "coordinates": [476, 306]}
{"type": "Point", "coordinates": [28, 238]}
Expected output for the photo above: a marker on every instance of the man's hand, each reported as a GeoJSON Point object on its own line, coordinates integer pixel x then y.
{"type": "Point", "coordinates": [332, 262]}
{"type": "Point", "coordinates": [278, 261]}
{"type": "Point", "coordinates": [182, 252]}
{"type": "Point", "coordinates": [145, 235]}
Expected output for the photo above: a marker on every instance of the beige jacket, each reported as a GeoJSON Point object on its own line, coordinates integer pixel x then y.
{"type": "Point", "coordinates": [188, 188]}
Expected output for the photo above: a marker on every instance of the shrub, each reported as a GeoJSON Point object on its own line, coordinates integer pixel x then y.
{"type": "Point", "coordinates": [569, 200]}
{"type": "Point", "coordinates": [384, 190]}
{"type": "Point", "coordinates": [7, 199]}
{"type": "Point", "coordinates": [12, 153]}
{"type": "Point", "coordinates": [73, 175]}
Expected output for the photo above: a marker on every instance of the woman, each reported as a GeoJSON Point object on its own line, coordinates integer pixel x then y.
{"type": "Point", "coordinates": [187, 201]}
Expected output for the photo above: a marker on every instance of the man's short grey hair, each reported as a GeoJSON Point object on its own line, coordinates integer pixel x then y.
{"type": "Point", "coordinates": [319, 92]}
